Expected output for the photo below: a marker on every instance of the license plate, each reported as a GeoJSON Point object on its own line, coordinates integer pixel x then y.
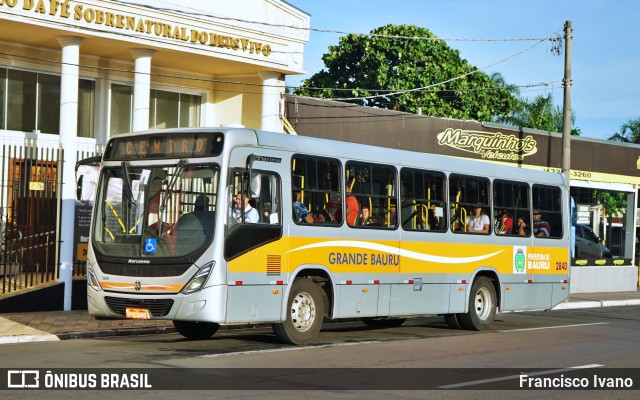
{"type": "Point", "coordinates": [138, 313]}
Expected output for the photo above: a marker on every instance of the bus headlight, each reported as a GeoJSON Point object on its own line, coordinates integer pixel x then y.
{"type": "Point", "coordinates": [92, 280]}
{"type": "Point", "coordinates": [197, 282]}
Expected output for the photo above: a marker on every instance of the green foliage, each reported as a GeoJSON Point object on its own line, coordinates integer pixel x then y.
{"type": "Point", "coordinates": [539, 113]}
{"type": "Point", "coordinates": [629, 132]}
{"type": "Point", "coordinates": [378, 65]}
{"type": "Point", "coordinates": [613, 203]}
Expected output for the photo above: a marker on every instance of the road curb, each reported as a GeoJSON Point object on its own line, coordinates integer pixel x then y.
{"type": "Point", "coordinates": [573, 305]}
{"type": "Point", "coordinates": [116, 332]}
{"type": "Point", "coordinates": [45, 337]}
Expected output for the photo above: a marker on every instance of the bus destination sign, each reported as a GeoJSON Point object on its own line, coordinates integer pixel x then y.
{"type": "Point", "coordinates": [166, 145]}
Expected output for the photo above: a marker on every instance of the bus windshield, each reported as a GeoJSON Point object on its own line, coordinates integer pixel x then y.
{"type": "Point", "coordinates": [155, 211]}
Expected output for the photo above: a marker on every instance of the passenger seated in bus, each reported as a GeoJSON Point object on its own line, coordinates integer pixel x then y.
{"type": "Point", "coordinates": [201, 210]}
{"type": "Point", "coordinates": [302, 214]}
{"type": "Point", "coordinates": [504, 223]}
{"type": "Point", "coordinates": [540, 228]}
{"type": "Point", "coordinates": [334, 207]}
{"type": "Point", "coordinates": [320, 216]}
{"type": "Point", "coordinates": [365, 216]}
{"type": "Point", "coordinates": [478, 221]}
{"type": "Point", "coordinates": [353, 208]}
{"type": "Point", "coordinates": [522, 227]}
{"type": "Point", "coordinates": [251, 215]}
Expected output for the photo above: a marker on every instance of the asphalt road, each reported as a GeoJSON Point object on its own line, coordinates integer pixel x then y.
{"type": "Point", "coordinates": [421, 359]}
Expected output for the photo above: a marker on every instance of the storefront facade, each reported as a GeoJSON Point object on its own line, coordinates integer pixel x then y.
{"type": "Point", "coordinates": [604, 254]}
{"type": "Point", "coordinates": [75, 73]}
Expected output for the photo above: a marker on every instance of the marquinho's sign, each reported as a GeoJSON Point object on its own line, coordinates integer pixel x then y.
{"type": "Point", "coordinates": [489, 145]}
{"type": "Point", "coordinates": [85, 15]}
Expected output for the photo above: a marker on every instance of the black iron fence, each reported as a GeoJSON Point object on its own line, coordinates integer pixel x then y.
{"type": "Point", "coordinates": [30, 199]}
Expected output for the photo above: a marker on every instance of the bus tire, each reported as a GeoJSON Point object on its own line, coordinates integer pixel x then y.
{"type": "Point", "coordinates": [195, 330]}
{"type": "Point", "coordinates": [482, 305]}
{"type": "Point", "coordinates": [453, 321]}
{"type": "Point", "coordinates": [305, 312]}
{"type": "Point", "coordinates": [383, 322]}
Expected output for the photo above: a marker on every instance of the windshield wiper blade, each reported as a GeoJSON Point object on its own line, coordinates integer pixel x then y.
{"type": "Point", "coordinates": [128, 191]}
{"type": "Point", "coordinates": [172, 182]}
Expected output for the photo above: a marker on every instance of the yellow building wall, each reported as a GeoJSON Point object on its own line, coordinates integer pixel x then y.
{"type": "Point", "coordinates": [239, 104]}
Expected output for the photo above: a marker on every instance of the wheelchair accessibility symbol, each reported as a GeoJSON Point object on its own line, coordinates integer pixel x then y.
{"type": "Point", "coordinates": [150, 245]}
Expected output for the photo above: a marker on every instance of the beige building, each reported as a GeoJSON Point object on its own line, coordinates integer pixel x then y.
{"type": "Point", "coordinates": [153, 64]}
{"type": "Point", "coordinates": [75, 73]}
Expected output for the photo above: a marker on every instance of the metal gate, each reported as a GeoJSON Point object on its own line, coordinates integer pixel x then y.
{"type": "Point", "coordinates": [30, 198]}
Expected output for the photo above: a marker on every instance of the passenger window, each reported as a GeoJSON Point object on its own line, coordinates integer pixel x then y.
{"type": "Point", "coordinates": [547, 212]}
{"type": "Point", "coordinates": [371, 197]}
{"type": "Point", "coordinates": [316, 191]}
{"type": "Point", "coordinates": [422, 199]}
{"type": "Point", "coordinates": [512, 215]}
{"type": "Point", "coordinates": [470, 204]}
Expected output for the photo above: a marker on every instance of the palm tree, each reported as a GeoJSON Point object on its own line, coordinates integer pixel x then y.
{"type": "Point", "coordinates": [539, 113]}
{"type": "Point", "coordinates": [629, 132]}
{"type": "Point", "coordinates": [498, 81]}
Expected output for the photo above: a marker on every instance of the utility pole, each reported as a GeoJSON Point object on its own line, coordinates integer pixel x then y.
{"type": "Point", "coordinates": [566, 107]}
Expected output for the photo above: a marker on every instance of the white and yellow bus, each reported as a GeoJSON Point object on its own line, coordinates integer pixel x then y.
{"type": "Point", "coordinates": [209, 227]}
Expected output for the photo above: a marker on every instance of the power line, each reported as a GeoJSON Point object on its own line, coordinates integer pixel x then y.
{"type": "Point", "coordinates": [443, 82]}
{"type": "Point", "coordinates": [257, 85]}
{"type": "Point", "coordinates": [302, 28]}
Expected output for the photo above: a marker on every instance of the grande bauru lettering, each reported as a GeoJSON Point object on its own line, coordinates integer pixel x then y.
{"type": "Point", "coordinates": [336, 258]}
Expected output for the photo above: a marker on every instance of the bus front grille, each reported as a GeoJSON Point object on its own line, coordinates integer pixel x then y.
{"type": "Point", "coordinates": [157, 307]}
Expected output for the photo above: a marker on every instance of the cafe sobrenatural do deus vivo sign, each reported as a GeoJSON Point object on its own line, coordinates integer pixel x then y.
{"type": "Point", "coordinates": [489, 145]}
{"type": "Point", "coordinates": [83, 14]}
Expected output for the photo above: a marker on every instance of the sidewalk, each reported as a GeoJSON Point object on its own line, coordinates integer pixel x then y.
{"type": "Point", "coordinates": [62, 325]}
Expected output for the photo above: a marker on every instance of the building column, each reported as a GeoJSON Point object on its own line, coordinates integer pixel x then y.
{"type": "Point", "coordinates": [272, 91]}
{"type": "Point", "coordinates": [141, 88]}
{"type": "Point", "coordinates": [68, 135]}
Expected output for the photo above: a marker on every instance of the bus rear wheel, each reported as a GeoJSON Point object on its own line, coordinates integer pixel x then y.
{"type": "Point", "coordinates": [482, 305]}
{"type": "Point", "coordinates": [196, 330]}
{"type": "Point", "coordinates": [305, 312]}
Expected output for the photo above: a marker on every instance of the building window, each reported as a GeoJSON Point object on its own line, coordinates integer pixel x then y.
{"type": "Point", "coordinates": [30, 102]}
{"type": "Point", "coordinates": [21, 100]}
{"type": "Point", "coordinates": [166, 109]}
{"type": "Point", "coordinates": [48, 104]}
{"type": "Point", "coordinates": [173, 110]}
{"type": "Point", "coordinates": [3, 96]}
{"type": "Point", "coordinates": [86, 101]}
{"type": "Point", "coordinates": [121, 109]}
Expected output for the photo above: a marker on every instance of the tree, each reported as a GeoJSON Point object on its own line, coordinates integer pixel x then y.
{"type": "Point", "coordinates": [374, 65]}
{"type": "Point", "coordinates": [629, 132]}
{"type": "Point", "coordinates": [539, 113]}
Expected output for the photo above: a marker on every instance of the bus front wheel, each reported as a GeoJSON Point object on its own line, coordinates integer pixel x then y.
{"type": "Point", "coordinates": [482, 305]}
{"type": "Point", "coordinates": [305, 312]}
{"type": "Point", "coordinates": [196, 330]}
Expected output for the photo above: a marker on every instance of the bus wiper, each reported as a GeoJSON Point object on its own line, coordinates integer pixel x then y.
{"type": "Point", "coordinates": [128, 191]}
{"type": "Point", "coordinates": [167, 193]}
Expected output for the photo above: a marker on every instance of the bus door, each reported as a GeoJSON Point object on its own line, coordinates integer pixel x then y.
{"type": "Point", "coordinates": [255, 247]}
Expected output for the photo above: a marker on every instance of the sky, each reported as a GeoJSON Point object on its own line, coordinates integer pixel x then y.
{"type": "Point", "coordinates": [605, 48]}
